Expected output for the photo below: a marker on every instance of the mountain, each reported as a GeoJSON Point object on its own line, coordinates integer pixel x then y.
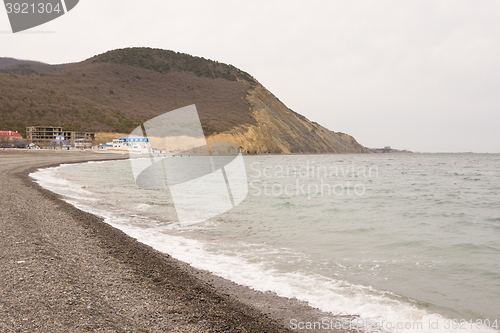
{"type": "Point", "coordinates": [27, 67]}
{"type": "Point", "coordinates": [120, 89]}
{"type": "Point", "coordinates": [4, 62]}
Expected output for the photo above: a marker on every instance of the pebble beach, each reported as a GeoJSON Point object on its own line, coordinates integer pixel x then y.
{"type": "Point", "coordinates": [65, 270]}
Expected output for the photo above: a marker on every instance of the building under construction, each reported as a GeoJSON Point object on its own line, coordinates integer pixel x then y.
{"type": "Point", "coordinates": [44, 135]}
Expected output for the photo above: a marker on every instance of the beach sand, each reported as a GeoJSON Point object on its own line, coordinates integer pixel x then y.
{"type": "Point", "coordinates": [64, 270]}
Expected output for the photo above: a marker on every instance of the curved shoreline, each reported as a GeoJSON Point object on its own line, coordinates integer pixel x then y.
{"type": "Point", "coordinates": [75, 272]}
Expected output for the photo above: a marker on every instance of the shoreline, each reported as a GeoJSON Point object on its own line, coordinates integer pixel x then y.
{"type": "Point", "coordinates": [132, 286]}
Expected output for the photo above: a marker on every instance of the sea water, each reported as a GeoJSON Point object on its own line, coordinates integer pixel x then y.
{"type": "Point", "coordinates": [408, 241]}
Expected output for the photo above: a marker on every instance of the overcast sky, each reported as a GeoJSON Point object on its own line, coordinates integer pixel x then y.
{"type": "Point", "coordinates": [418, 75]}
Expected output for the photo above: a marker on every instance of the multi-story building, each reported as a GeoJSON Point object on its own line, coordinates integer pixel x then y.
{"type": "Point", "coordinates": [43, 135]}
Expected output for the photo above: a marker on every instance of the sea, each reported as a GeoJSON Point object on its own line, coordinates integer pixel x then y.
{"type": "Point", "coordinates": [407, 242]}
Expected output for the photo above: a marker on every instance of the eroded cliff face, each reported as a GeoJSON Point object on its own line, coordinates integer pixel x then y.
{"type": "Point", "coordinates": [279, 130]}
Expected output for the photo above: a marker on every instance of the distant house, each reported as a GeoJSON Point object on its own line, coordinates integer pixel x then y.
{"type": "Point", "coordinates": [59, 142]}
{"type": "Point", "coordinates": [20, 144]}
{"type": "Point", "coordinates": [17, 144]}
{"type": "Point", "coordinates": [83, 143]}
{"type": "Point", "coordinates": [9, 137]}
{"type": "Point", "coordinates": [134, 144]}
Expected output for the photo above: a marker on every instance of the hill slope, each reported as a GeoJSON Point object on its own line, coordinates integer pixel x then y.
{"type": "Point", "coordinates": [28, 67]}
{"type": "Point", "coordinates": [118, 90]}
{"type": "Point", "coordinates": [4, 62]}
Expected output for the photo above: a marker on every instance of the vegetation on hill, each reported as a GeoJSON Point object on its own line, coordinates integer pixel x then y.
{"type": "Point", "coordinates": [165, 60]}
{"type": "Point", "coordinates": [121, 89]}
{"type": "Point", "coordinates": [5, 62]}
{"type": "Point", "coordinates": [21, 69]}
{"type": "Point", "coordinates": [108, 97]}
{"type": "Point", "coordinates": [31, 68]}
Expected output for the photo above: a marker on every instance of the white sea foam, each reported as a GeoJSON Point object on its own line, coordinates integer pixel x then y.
{"type": "Point", "coordinates": [48, 179]}
{"type": "Point", "coordinates": [143, 206]}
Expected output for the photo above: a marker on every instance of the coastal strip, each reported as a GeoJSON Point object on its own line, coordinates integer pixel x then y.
{"type": "Point", "coordinates": [65, 270]}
